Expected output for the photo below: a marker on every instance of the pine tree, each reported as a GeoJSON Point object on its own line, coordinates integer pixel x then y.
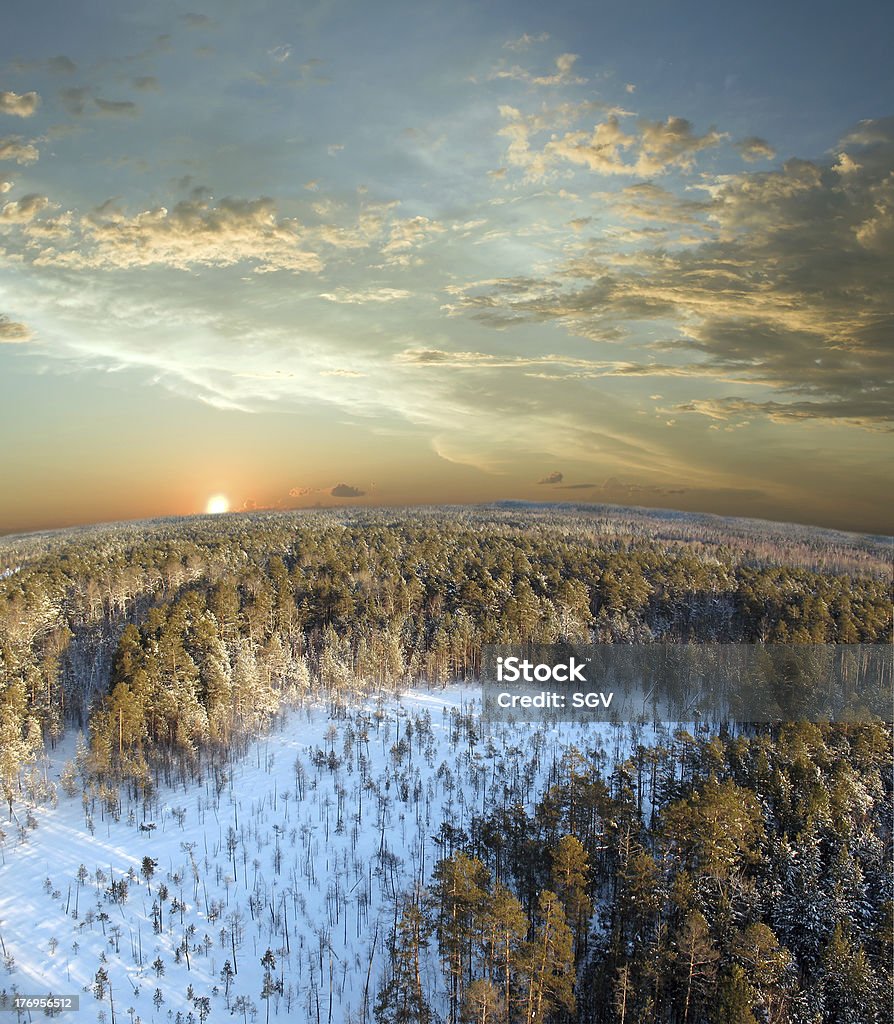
{"type": "Point", "coordinates": [147, 870]}
{"type": "Point", "coordinates": [504, 926]}
{"type": "Point", "coordinates": [401, 1000]}
{"type": "Point", "coordinates": [270, 986]}
{"type": "Point", "coordinates": [570, 878]}
{"type": "Point", "coordinates": [100, 982]}
{"type": "Point", "coordinates": [767, 965]}
{"type": "Point", "coordinates": [547, 964]}
{"type": "Point", "coordinates": [226, 976]}
{"type": "Point", "coordinates": [734, 998]}
{"type": "Point", "coordinates": [482, 1004]}
{"type": "Point", "coordinates": [848, 980]}
{"type": "Point", "coordinates": [696, 957]}
{"type": "Point", "coordinates": [459, 890]}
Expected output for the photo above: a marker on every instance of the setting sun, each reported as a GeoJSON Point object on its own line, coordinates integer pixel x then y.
{"type": "Point", "coordinates": [217, 503]}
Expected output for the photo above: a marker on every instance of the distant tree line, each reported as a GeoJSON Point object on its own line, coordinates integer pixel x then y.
{"type": "Point", "coordinates": [187, 636]}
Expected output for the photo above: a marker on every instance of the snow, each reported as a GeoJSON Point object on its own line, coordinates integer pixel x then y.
{"type": "Point", "coordinates": [311, 869]}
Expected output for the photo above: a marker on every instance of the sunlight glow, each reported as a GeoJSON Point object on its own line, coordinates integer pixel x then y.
{"type": "Point", "coordinates": [217, 503]}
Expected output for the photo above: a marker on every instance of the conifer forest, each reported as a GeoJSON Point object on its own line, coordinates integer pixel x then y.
{"type": "Point", "coordinates": [244, 776]}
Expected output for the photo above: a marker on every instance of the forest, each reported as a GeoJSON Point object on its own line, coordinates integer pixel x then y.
{"type": "Point", "coordinates": [679, 874]}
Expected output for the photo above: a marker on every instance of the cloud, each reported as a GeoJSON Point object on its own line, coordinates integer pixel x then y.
{"type": "Point", "coordinates": [650, 202]}
{"type": "Point", "coordinates": [555, 365]}
{"type": "Point", "coordinates": [552, 478]}
{"type": "Point", "coordinates": [753, 149]}
{"type": "Point", "coordinates": [672, 143]}
{"type": "Point", "coordinates": [619, 489]}
{"type": "Point", "coordinates": [302, 492]}
{"type": "Point", "coordinates": [408, 234]}
{"type": "Point", "coordinates": [872, 415]}
{"type": "Point", "coordinates": [346, 491]}
{"type": "Point", "coordinates": [23, 105]}
{"type": "Point", "coordinates": [74, 98]}
{"type": "Point", "coordinates": [191, 20]}
{"type": "Point", "coordinates": [616, 490]}
{"type": "Point", "coordinates": [656, 146]}
{"type": "Point", "coordinates": [427, 356]}
{"type": "Point", "coordinates": [642, 149]}
{"type": "Point", "coordinates": [579, 223]}
{"type": "Point", "coordinates": [613, 484]}
{"type": "Point", "coordinates": [564, 72]}
{"type": "Point", "coordinates": [13, 148]}
{"type": "Point", "coordinates": [846, 164]}
{"type": "Point", "coordinates": [280, 53]}
{"type": "Point", "coordinates": [23, 210]}
{"type": "Point", "coordinates": [525, 41]}
{"type": "Point", "coordinates": [375, 295]}
{"type": "Point", "coordinates": [788, 292]}
{"type": "Point", "coordinates": [192, 233]}
{"type": "Point", "coordinates": [870, 132]}
{"type": "Point", "coordinates": [13, 333]}
{"type": "Point", "coordinates": [62, 65]}
{"type": "Point", "coordinates": [6, 186]}
{"type": "Point", "coordinates": [116, 108]}
{"type": "Point", "coordinates": [197, 231]}
{"type": "Point", "coordinates": [563, 75]}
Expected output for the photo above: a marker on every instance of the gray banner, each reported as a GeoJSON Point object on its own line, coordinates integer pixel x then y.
{"type": "Point", "coordinates": [688, 682]}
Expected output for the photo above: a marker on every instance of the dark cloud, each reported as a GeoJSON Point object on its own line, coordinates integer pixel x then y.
{"type": "Point", "coordinates": [116, 108]}
{"type": "Point", "coordinates": [650, 202]}
{"type": "Point", "coordinates": [74, 99]}
{"type": "Point", "coordinates": [62, 65]}
{"type": "Point", "coordinates": [346, 491]}
{"type": "Point", "coordinates": [552, 478]}
{"type": "Point", "coordinates": [146, 83]}
{"type": "Point", "coordinates": [192, 20]}
{"type": "Point", "coordinates": [614, 485]}
{"type": "Point", "coordinates": [753, 149]}
{"type": "Point", "coordinates": [77, 101]}
{"type": "Point", "coordinates": [620, 491]}
{"type": "Point", "coordinates": [23, 210]}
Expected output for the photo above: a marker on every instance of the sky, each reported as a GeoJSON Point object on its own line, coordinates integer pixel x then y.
{"type": "Point", "coordinates": [327, 253]}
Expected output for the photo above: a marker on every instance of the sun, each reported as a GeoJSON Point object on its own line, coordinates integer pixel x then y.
{"type": "Point", "coordinates": [217, 503]}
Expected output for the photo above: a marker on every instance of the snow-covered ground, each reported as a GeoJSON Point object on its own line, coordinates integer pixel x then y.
{"type": "Point", "coordinates": [299, 849]}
